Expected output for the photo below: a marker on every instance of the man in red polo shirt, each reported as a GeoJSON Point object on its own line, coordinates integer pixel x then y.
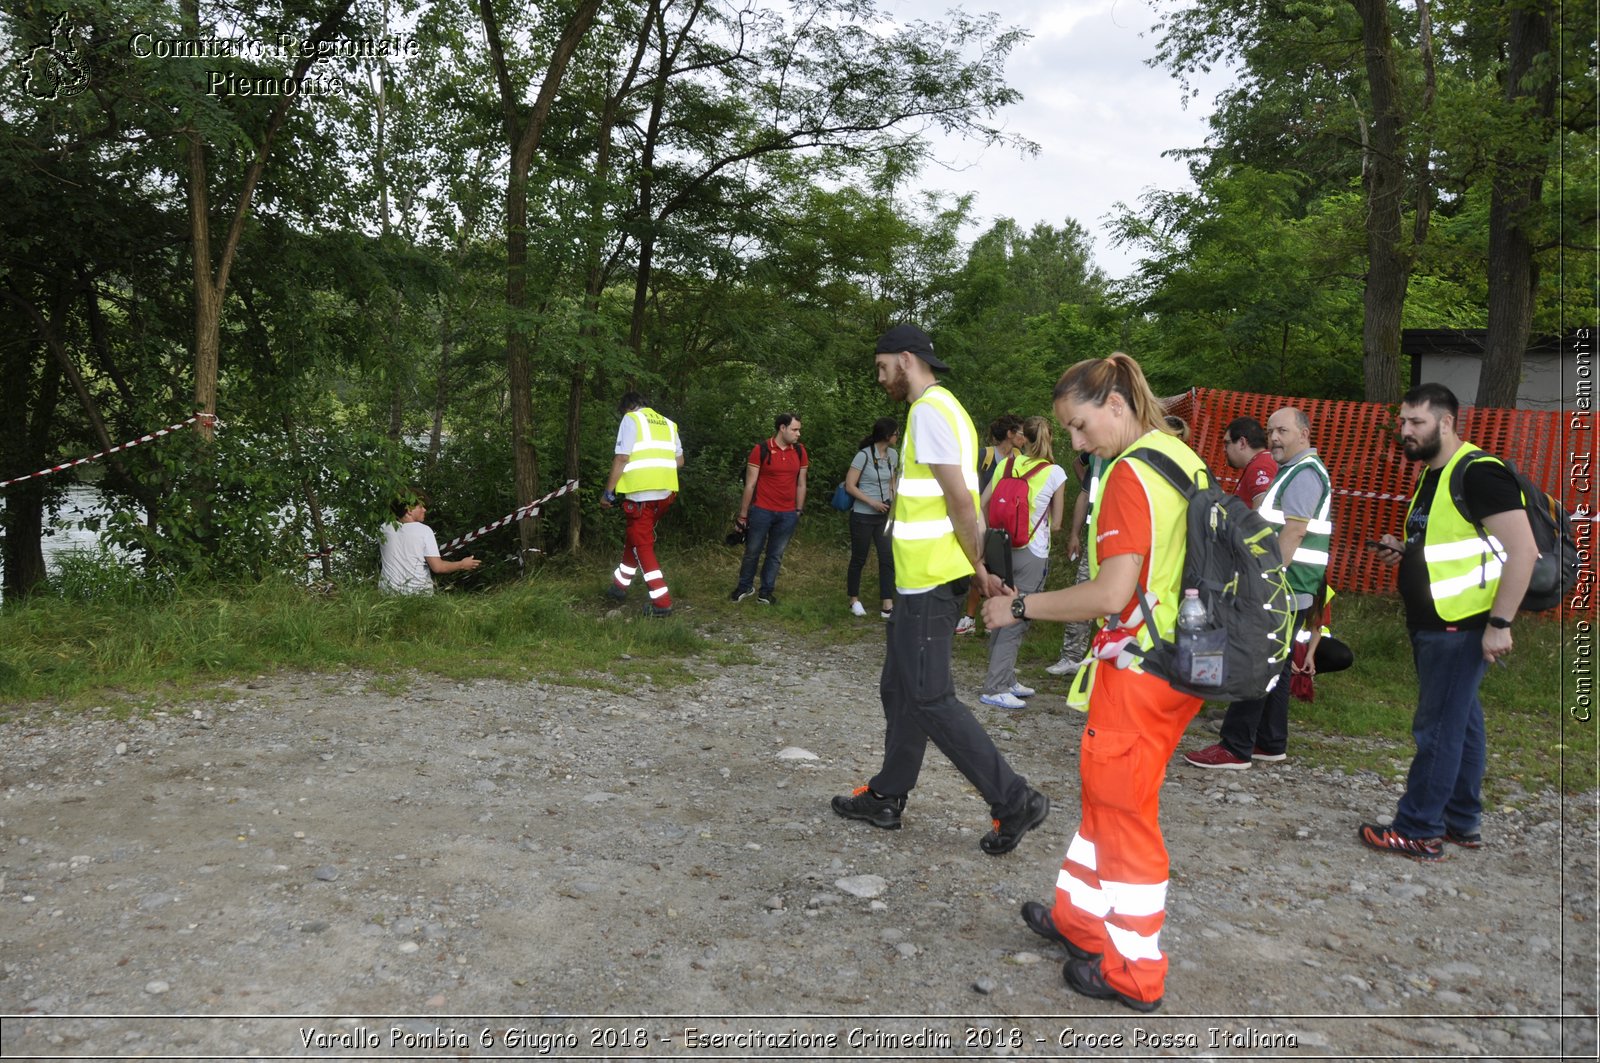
{"type": "Point", "coordinates": [1245, 443]}
{"type": "Point", "coordinates": [774, 495]}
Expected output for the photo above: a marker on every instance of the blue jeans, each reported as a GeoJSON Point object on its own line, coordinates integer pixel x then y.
{"type": "Point", "coordinates": [1444, 786]}
{"type": "Point", "coordinates": [773, 530]}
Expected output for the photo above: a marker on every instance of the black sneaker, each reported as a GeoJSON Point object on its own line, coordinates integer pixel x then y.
{"type": "Point", "coordinates": [658, 612]}
{"type": "Point", "coordinates": [1083, 976]}
{"type": "Point", "coordinates": [767, 599]}
{"type": "Point", "coordinates": [1040, 921]}
{"type": "Point", "coordinates": [616, 593]}
{"type": "Point", "coordinates": [739, 595]}
{"type": "Point", "coordinates": [1389, 840]}
{"type": "Point", "coordinates": [1008, 830]}
{"type": "Point", "coordinates": [1466, 841]}
{"type": "Point", "coordinates": [865, 805]}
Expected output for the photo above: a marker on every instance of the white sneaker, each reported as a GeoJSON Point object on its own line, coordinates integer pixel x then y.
{"type": "Point", "coordinates": [857, 609]}
{"type": "Point", "coordinates": [1063, 667]}
{"type": "Point", "coordinates": [964, 626]}
{"type": "Point", "coordinates": [1020, 691]}
{"type": "Point", "coordinates": [1003, 700]}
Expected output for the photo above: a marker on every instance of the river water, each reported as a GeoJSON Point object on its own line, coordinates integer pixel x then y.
{"type": "Point", "coordinates": [64, 532]}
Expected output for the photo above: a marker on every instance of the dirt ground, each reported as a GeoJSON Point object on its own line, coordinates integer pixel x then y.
{"type": "Point", "coordinates": [490, 869]}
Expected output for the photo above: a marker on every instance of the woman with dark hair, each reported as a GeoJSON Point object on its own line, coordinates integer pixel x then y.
{"type": "Point", "coordinates": [1111, 891]}
{"type": "Point", "coordinates": [870, 482]}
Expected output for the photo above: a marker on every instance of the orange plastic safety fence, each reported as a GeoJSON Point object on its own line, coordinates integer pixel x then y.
{"type": "Point", "coordinates": [1372, 479]}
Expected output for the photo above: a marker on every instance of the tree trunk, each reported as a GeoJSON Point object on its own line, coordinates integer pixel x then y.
{"type": "Point", "coordinates": [523, 132]}
{"type": "Point", "coordinates": [1388, 264]}
{"type": "Point", "coordinates": [525, 460]}
{"type": "Point", "coordinates": [313, 502]}
{"type": "Point", "coordinates": [441, 393]}
{"type": "Point", "coordinates": [574, 412]}
{"type": "Point", "coordinates": [1513, 208]}
{"type": "Point", "coordinates": [24, 445]}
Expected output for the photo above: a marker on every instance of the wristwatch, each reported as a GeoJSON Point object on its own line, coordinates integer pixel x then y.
{"type": "Point", "coordinates": [1499, 622]}
{"type": "Point", "coordinates": [1018, 610]}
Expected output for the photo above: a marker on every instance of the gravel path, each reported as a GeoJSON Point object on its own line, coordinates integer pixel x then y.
{"type": "Point", "coordinates": [526, 870]}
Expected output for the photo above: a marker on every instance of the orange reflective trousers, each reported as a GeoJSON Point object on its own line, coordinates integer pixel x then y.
{"type": "Point", "coordinates": [1111, 894]}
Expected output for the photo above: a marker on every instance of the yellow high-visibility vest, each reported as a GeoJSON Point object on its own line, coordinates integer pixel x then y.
{"type": "Point", "coordinates": [1169, 512]}
{"type": "Point", "coordinates": [1464, 561]}
{"type": "Point", "coordinates": [926, 550]}
{"type": "Point", "coordinates": [653, 463]}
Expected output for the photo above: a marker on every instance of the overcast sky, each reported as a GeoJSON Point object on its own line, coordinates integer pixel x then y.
{"type": "Point", "coordinates": [1099, 114]}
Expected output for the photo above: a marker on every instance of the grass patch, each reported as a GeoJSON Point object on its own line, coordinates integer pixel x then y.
{"type": "Point", "coordinates": [135, 652]}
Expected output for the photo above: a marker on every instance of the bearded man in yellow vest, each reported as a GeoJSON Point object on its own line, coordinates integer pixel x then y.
{"type": "Point", "coordinates": [935, 529]}
{"type": "Point", "coordinates": [1462, 573]}
{"type": "Point", "coordinates": [644, 468]}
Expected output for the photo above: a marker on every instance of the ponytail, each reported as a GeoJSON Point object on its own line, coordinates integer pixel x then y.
{"type": "Point", "coordinates": [1037, 431]}
{"type": "Point", "coordinates": [882, 430]}
{"type": "Point", "coordinates": [1095, 380]}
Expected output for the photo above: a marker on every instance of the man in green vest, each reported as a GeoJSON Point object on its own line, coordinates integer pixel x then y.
{"type": "Point", "coordinates": [1298, 503]}
{"type": "Point", "coordinates": [1463, 572]}
{"type": "Point", "coordinates": [935, 528]}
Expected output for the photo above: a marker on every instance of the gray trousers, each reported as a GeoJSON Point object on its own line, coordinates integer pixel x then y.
{"type": "Point", "coordinates": [920, 704]}
{"type": "Point", "coordinates": [1028, 572]}
{"type": "Point", "coordinates": [1075, 637]}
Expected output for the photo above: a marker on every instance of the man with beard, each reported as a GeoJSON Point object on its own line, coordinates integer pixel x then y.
{"type": "Point", "coordinates": [1298, 503]}
{"type": "Point", "coordinates": [1463, 571]}
{"type": "Point", "coordinates": [934, 528]}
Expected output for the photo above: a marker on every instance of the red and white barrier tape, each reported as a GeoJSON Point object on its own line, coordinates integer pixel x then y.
{"type": "Point", "coordinates": [1379, 495]}
{"type": "Point", "coordinates": [157, 434]}
{"type": "Point", "coordinates": [526, 511]}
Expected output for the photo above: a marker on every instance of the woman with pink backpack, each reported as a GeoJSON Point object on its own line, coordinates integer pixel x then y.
{"type": "Point", "coordinates": [1025, 499]}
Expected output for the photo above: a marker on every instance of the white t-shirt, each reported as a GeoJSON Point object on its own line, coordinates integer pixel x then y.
{"type": "Point", "coordinates": [936, 437]}
{"type": "Point", "coordinates": [405, 549]}
{"type": "Point", "coordinates": [1054, 476]}
{"type": "Point", "coordinates": [627, 435]}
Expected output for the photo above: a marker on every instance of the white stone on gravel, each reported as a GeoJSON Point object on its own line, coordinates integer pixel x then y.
{"type": "Point", "coordinates": [156, 987]}
{"type": "Point", "coordinates": [796, 753]}
{"type": "Point", "coordinates": [863, 886]}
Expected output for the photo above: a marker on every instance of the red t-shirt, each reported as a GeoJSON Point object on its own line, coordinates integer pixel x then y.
{"type": "Point", "coordinates": [1124, 526]}
{"type": "Point", "coordinates": [778, 479]}
{"type": "Point", "coordinates": [1256, 478]}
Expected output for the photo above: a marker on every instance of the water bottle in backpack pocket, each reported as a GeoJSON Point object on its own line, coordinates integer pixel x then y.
{"type": "Point", "coordinates": [1201, 647]}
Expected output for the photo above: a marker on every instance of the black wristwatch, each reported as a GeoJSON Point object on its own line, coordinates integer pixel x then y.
{"type": "Point", "coordinates": [1018, 610]}
{"type": "Point", "coordinates": [1500, 622]}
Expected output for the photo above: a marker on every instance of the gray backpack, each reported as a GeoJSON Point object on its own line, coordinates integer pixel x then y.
{"type": "Point", "coordinates": [1231, 557]}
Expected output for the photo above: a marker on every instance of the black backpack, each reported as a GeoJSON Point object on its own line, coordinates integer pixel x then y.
{"type": "Point", "coordinates": [1555, 573]}
{"type": "Point", "coordinates": [1231, 557]}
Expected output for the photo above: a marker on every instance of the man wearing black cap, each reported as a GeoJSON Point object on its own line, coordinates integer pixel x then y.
{"type": "Point", "coordinates": [935, 530]}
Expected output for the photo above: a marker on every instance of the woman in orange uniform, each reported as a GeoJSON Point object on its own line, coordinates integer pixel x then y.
{"type": "Point", "coordinates": [1111, 892]}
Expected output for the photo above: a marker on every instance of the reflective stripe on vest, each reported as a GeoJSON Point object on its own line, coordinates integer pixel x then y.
{"type": "Point", "coordinates": [927, 552]}
{"type": "Point", "coordinates": [1168, 545]}
{"type": "Point", "coordinates": [1464, 561]}
{"type": "Point", "coordinates": [653, 462]}
{"type": "Point", "coordinates": [1309, 564]}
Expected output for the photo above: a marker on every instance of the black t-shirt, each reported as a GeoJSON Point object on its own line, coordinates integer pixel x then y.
{"type": "Point", "coordinates": [1489, 488]}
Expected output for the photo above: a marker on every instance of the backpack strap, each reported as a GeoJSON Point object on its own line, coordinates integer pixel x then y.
{"type": "Point", "coordinates": [1168, 470]}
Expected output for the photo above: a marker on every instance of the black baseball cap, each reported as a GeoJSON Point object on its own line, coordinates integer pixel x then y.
{"type": "Point", "coordinates": [912, 340]}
